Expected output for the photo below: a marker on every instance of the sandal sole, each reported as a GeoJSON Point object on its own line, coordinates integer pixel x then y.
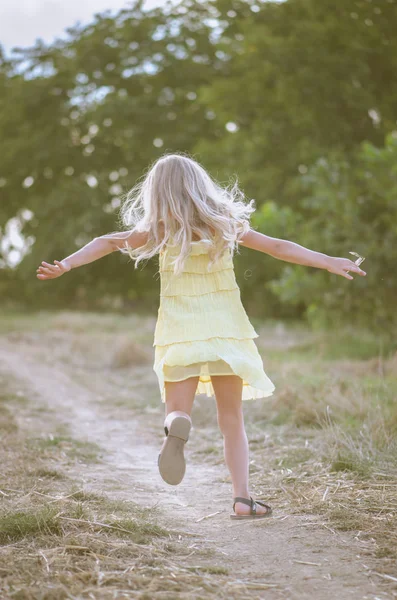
{"type": "Point", "coordinates": [171, 461]}
{"type": "Point", "coordinates": [268, 513]}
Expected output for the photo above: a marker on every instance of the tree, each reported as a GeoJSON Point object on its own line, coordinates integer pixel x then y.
{"type": "Point", "coordinates": [84, 117]}
{"type": "Point", "coordinates": [283, 94]}
{"type": "Point", "coordinates": [349, 206]}
{"type": "Point", "coordinates": [302, 78]}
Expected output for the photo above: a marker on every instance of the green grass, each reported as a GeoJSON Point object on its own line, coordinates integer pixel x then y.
{"type": "Point", "coordinates": [12, 399]}
{"type": "Point", "coordinates": [8, 423]}
{"type": "Point", "coordinates": [116, 506]}
{"type": "Point", "coordinates": [74, 449]}
{"type": "Point", "coordinates": [349, 461]}
{"type": "Point", "coordinates": [139, 531]}
{"type": "Point", "coordinates": [210, 569]}
{"type": "Point", "coordinates": [84, 496]}
{"type": "Point", "coordinates": [302, 344]}
{"type": "Point", "coordinates": [361, 345]}
{"type": "Point", "coordinates": [46, 473]}
{"type": "Point", "coordinates": [21, 524]}
{"type": "Point", "coordinates": [78, 322]}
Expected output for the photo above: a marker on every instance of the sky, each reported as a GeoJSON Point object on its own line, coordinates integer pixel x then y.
{"type": "Point", "coordinates": [23, 21]}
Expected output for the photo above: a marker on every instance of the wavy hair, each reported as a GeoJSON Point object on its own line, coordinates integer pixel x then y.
{"type": "Point", "coordinates": [177, 202]}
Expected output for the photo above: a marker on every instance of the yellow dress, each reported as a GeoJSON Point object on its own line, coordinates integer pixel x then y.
{"type": "Point", "coordinates": [202, 328]}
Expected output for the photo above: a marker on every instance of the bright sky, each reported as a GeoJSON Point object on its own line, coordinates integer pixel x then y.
{"type": "Point", "coordinates": [23, 21]}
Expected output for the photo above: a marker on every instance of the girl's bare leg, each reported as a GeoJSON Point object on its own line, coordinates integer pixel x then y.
{"type": "Point", "coordinates": [179, 398]}
{"type": "Point", "coordinates": [228, 392]}
{"type": "Point", "coordinates": [179, 395]}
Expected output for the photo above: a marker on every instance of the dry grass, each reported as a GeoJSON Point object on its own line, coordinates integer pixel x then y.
{"type": "Point", "coordinates": [324, 446]}
{"type": "Point", "coordinates": [127, 353]}
{"type": "Point", "coordinates": [67, 446]}
{"type": "Point", "coordinates": [60, 541]}
{"type": "Point", "coordinates": [73, 548]}
{"type": "Point", "coordinates": [332, 438]}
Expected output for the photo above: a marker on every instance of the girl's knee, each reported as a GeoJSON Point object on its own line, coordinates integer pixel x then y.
{"type": "Point", "coordinates": [230, 421]}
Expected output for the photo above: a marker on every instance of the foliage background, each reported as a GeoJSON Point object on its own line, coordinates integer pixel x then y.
{"type": "Point", "coordinates": [297, 98]}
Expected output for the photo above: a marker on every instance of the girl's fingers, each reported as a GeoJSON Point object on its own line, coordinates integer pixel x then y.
{"type": "Point", "coordinates": [344, 271]}
{"type": "Point", "coordinates": [52, 268]}
{"type": "Point", "coordinates": [47, 272]}
{"type": "Point", "coordinates": [357, 270]}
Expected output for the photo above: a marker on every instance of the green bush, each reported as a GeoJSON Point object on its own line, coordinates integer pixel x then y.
{"type": "Point", "coordinates": [348, 206]}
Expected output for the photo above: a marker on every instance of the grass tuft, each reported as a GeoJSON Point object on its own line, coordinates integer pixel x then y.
{"type": "Point", "coordinates": [347, 461]}
{"type": "Point", "coordinates": [44, 473]}
{"type": "Point", "coordinates": [18, 525]}
{"type": "Point", "coordinates": [79, 450]}
{"type": "Point", "coordinates": [8, 423]}
{"type": "Point", "coordinates": [141, 532]}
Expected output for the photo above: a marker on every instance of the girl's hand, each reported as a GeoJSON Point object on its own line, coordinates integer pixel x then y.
{"type": "Point", "coordinates": [47, 271]}
{"type": "Point", "coordinates": [342, 266]}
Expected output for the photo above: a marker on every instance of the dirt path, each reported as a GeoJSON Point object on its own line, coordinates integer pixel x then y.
{"type": "Point", "coordinates": [275, 553]}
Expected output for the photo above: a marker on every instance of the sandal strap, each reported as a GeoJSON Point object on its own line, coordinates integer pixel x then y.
{"type": "Point", "coordinates": [247, 501]}
{"type": "Point", "coordinates": [252, 504]}
{"type": "Point", "coordinates": [268, 508]}
{"type": "Point", "coordinates": [264, 505]}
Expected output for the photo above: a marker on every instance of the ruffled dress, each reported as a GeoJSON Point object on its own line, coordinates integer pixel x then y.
{"type": "Point", "coordinates": [202, 328]}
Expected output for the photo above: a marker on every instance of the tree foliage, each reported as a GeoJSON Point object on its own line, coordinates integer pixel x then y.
{"type": "Point", "coordinates": [294, 97]}
{"type": "Point", "coordinates": [351, 206]}
{"type": "Point", "coordinates": [84, 119]}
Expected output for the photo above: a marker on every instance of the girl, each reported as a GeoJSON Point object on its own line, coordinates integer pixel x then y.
{"type": "Point", "coordinates": [203, 338]}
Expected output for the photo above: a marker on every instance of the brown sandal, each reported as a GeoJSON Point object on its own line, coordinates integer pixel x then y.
{"type": "Point", "coordinates": [252, 504]}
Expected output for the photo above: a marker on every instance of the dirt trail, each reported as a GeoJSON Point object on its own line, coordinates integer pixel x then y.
{"type": "Point", "coordinates": [265, 551]}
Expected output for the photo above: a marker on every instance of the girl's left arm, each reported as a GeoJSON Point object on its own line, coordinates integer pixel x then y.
{"type": "Point", "coordinates": [294, 253]}
{"type": "Point", "coordinates": [97, 248]}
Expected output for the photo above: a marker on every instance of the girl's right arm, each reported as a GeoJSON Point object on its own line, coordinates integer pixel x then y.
{"type": "Point", "coordinates": [97, 248]}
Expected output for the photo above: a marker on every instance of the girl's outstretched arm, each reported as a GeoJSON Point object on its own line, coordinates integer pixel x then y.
{"type": "Point", "coordinates": [294, 253]}
{"type": "Point", "coordinates": [97, 248]}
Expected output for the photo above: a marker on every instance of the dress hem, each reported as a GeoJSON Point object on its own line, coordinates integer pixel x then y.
{"type": "Point", "coordinates": [207, 339]}
{"type": "Point", "coordinates": [250, 391]}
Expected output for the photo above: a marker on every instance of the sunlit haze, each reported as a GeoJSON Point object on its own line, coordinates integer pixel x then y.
{"type": "Point", "coordinates": [22, 23]}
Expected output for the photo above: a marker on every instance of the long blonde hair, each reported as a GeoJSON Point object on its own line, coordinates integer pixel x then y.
{"type": "Point", "coordinates": [177, 202]}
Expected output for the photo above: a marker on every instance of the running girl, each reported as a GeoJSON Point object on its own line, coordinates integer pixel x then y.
{"type": "Point", "coordinates": [203, 338]}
